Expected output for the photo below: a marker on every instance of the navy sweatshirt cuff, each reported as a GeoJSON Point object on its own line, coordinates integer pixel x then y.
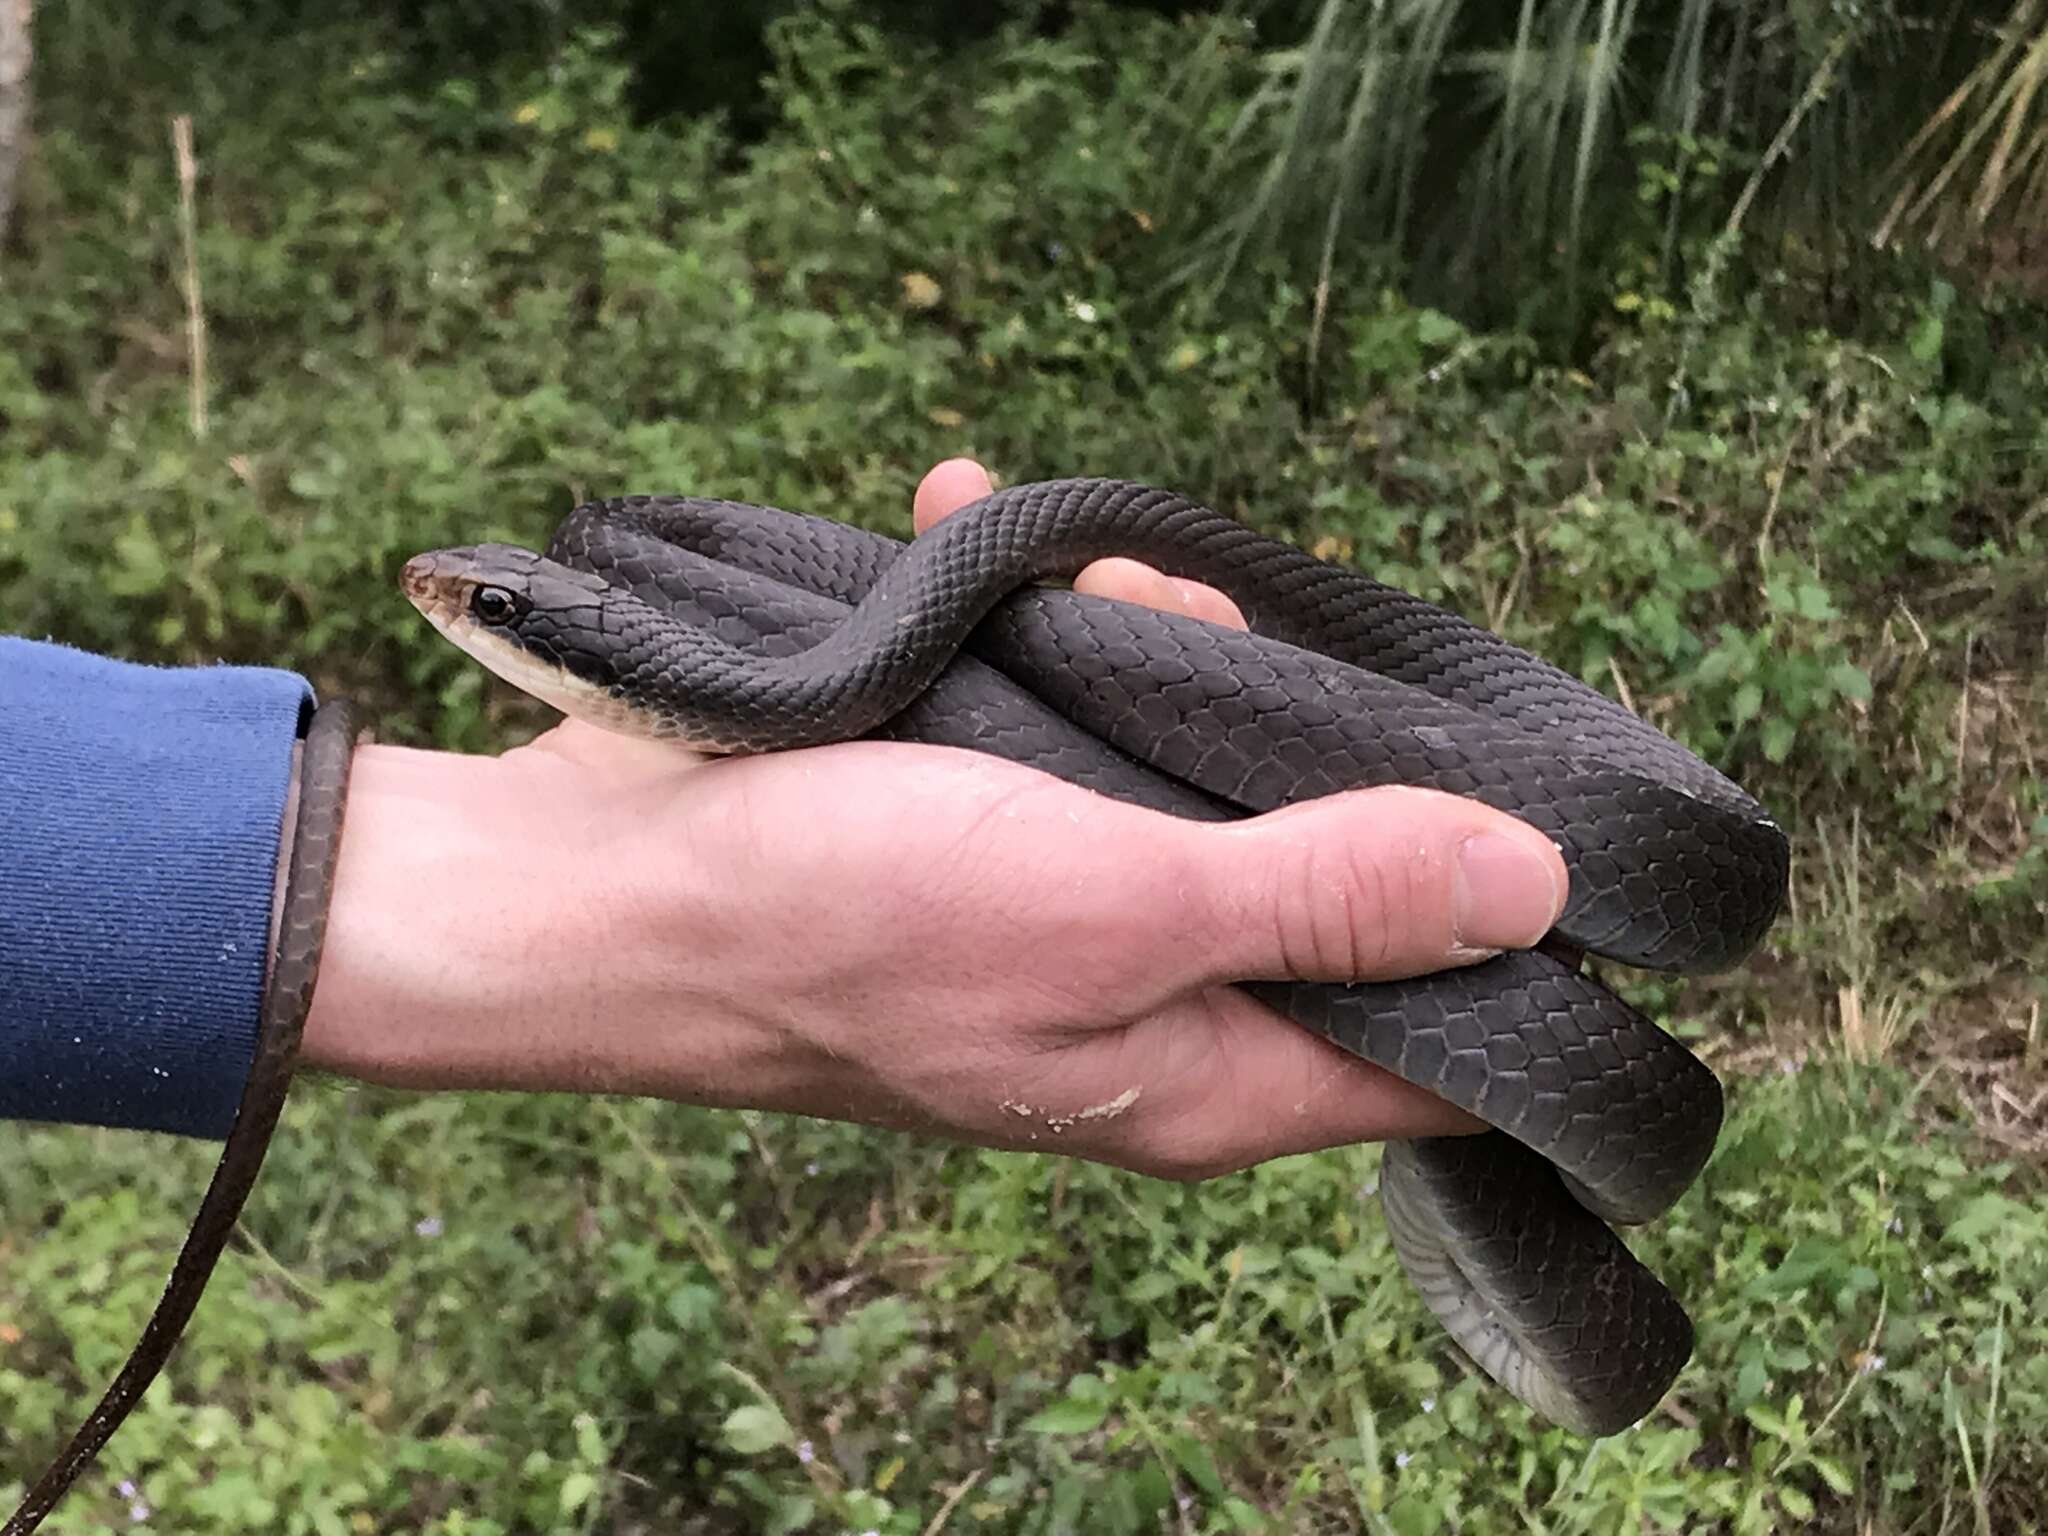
{"type": "Point", "coordinates": [140, 815]}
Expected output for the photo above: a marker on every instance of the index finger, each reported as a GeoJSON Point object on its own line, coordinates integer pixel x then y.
{"type": "Point", "coordinates": [954, 483]}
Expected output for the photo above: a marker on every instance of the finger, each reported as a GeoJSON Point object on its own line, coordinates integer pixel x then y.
{"type": "Point", "coordinates": [946, 488]}
{"type": "Point", "coordinates": [1134, 582]}
{"type": "Point", "coordinates": [1267, 1088]}
{"type": "Point", "coordinates": [954, 483]}
{"type": "Point", "coordinates": [1371, 885]}
{"type": "Point", "coordinates": [1214, 1083]}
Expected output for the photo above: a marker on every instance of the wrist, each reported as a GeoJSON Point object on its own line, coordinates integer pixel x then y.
{"type": "Point", "coordinates": [488, 931]}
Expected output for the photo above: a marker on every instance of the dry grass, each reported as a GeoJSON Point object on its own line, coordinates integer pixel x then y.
{"type": "Point", "coordinates": [1892, 956]}
{"type": "Point", "coordinates": [1982, 155]}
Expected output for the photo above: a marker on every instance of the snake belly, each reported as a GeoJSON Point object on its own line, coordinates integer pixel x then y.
{"type": "Point", "coordinates": [748, 628]}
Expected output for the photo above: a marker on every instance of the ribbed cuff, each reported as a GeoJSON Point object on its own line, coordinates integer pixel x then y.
{"type": "Point", "coordinates": [140, 816]}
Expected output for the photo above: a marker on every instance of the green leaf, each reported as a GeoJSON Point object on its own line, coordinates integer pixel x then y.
{"type": "Point", "coordinates": [755, 1428]}
{"type": "Point", "coordinates": [1850, 680]}
{"type": "Point", "coordinates": [1779, 734]}
{"type": "Point", "coordinates": [1796, 1503]}
{"type": "Point", "coordinates": [651, 1348]}
{"type": "Point", "coordinates": [1069, 1416]}
{"type": "Point", "coordinates": [1982, 1215]}
{"type": "Point", "coordinates": [1832, 1474]}
{"type": "Point", "coordinates": [792, 1513]}
{"type": "Point", "coordinates": [578, 1488]}
{"type": "Point", "coordinates": [1925, 342]}
{"type": "Point", "coordinates": [692, 1307]}
{"type": "Point", "coordinates": [1769, 1420]}
{"type": "Point", "coordinates": [1154, 1285]}
{"type": "Point", "coordinates": [1815, 602]}
{"type": "Point", "coordinates": [1151, 1491]}
{"type": "Point", "coordinates": [1195, 1460]}
{"type": "Point", "coordinates": [1749, 698]}
{"type": "Point", "coordinates": [144, 566]}
{"type": "Point", "coordinates": [1752, 1380]}
{"type": "Point", "coordinates": [1433, 328]}
{"type": "Point", "coordinates": [1414, 1515]}
{"type": "Point", "coordinates": [1245, 1517]}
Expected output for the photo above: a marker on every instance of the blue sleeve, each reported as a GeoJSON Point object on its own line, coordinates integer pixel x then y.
{"type": "Point", "coordinates": [140, 815]}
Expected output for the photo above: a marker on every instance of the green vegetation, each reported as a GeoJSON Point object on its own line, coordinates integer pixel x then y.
{"type": "Point", "coordinates": [1808, 539]}
{"type": "Point", "coordinates": [1497, 146]}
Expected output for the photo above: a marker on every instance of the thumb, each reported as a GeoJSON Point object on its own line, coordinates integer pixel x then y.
{"type": "Point", "coordinates": [1370, 885]}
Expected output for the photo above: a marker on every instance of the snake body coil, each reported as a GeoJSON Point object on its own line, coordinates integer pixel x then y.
{"type": "Point", "coordinates": [740, 628]}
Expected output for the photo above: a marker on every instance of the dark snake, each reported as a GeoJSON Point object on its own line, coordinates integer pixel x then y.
{"type": "Point", "coordinates": [740, 629]}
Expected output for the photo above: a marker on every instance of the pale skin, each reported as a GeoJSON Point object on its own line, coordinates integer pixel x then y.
{"type": "Point", "coordinates": [902, 936]}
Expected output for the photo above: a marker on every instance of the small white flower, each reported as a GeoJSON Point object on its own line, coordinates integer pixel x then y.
{"type": "Point", "coordinates": [805, 1453]}
{"type": "Point", "coordinates": [125, 1488]}
{"type": "Point", "coordinates": [138, 1512]}
{"type": "Point", "coordinates": [427, 1226]}
{"type": "Point", "coordinates": [1429, 1405]}
{"type": "Point", "coordinates": [811, 1169]}
{"type": "Point", "coordinates": [1895, 1226]}
{"type": "Point", "coordinates": [1400, 1459]}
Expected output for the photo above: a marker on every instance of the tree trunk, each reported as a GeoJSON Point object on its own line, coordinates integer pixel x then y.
{"type": "Point", "coordinates": [14, 101]}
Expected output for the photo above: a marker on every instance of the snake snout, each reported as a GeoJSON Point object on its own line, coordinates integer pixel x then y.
{"type": "Point", "coordinates": [437, 582]}
{"type": "Point", "coordinates": [416, 581]}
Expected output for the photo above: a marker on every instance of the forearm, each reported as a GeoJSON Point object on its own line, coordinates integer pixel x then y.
{"type": "Point", "coordinates": [485, 933]}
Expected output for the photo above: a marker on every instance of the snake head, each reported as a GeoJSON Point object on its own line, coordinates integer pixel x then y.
{"type": "Point", "coordinates": [493, 585]}
{"type": "Point", "coordinates": [530, 620]}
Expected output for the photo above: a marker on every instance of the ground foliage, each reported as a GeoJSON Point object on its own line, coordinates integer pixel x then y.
{"type": "Point", "coordinates": [436, 316]}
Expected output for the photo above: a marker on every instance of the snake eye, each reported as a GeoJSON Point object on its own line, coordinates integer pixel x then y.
{"type": "Point", "coordinates": [494, 605]}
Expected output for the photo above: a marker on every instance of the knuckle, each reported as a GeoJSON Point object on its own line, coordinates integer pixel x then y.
{"type": "Point", "coordinates": [1341, 910]}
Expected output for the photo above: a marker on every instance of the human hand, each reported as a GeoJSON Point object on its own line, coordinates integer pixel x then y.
{"type": "Point", "coordinates": [903, 936]}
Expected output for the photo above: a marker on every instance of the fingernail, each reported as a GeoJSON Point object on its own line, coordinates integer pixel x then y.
{"type": "Point", "coordinates": [1506, 891]}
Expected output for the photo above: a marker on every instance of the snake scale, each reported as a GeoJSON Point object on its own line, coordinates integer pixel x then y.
{"type": "Point", "coordinates": [736, 628]}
